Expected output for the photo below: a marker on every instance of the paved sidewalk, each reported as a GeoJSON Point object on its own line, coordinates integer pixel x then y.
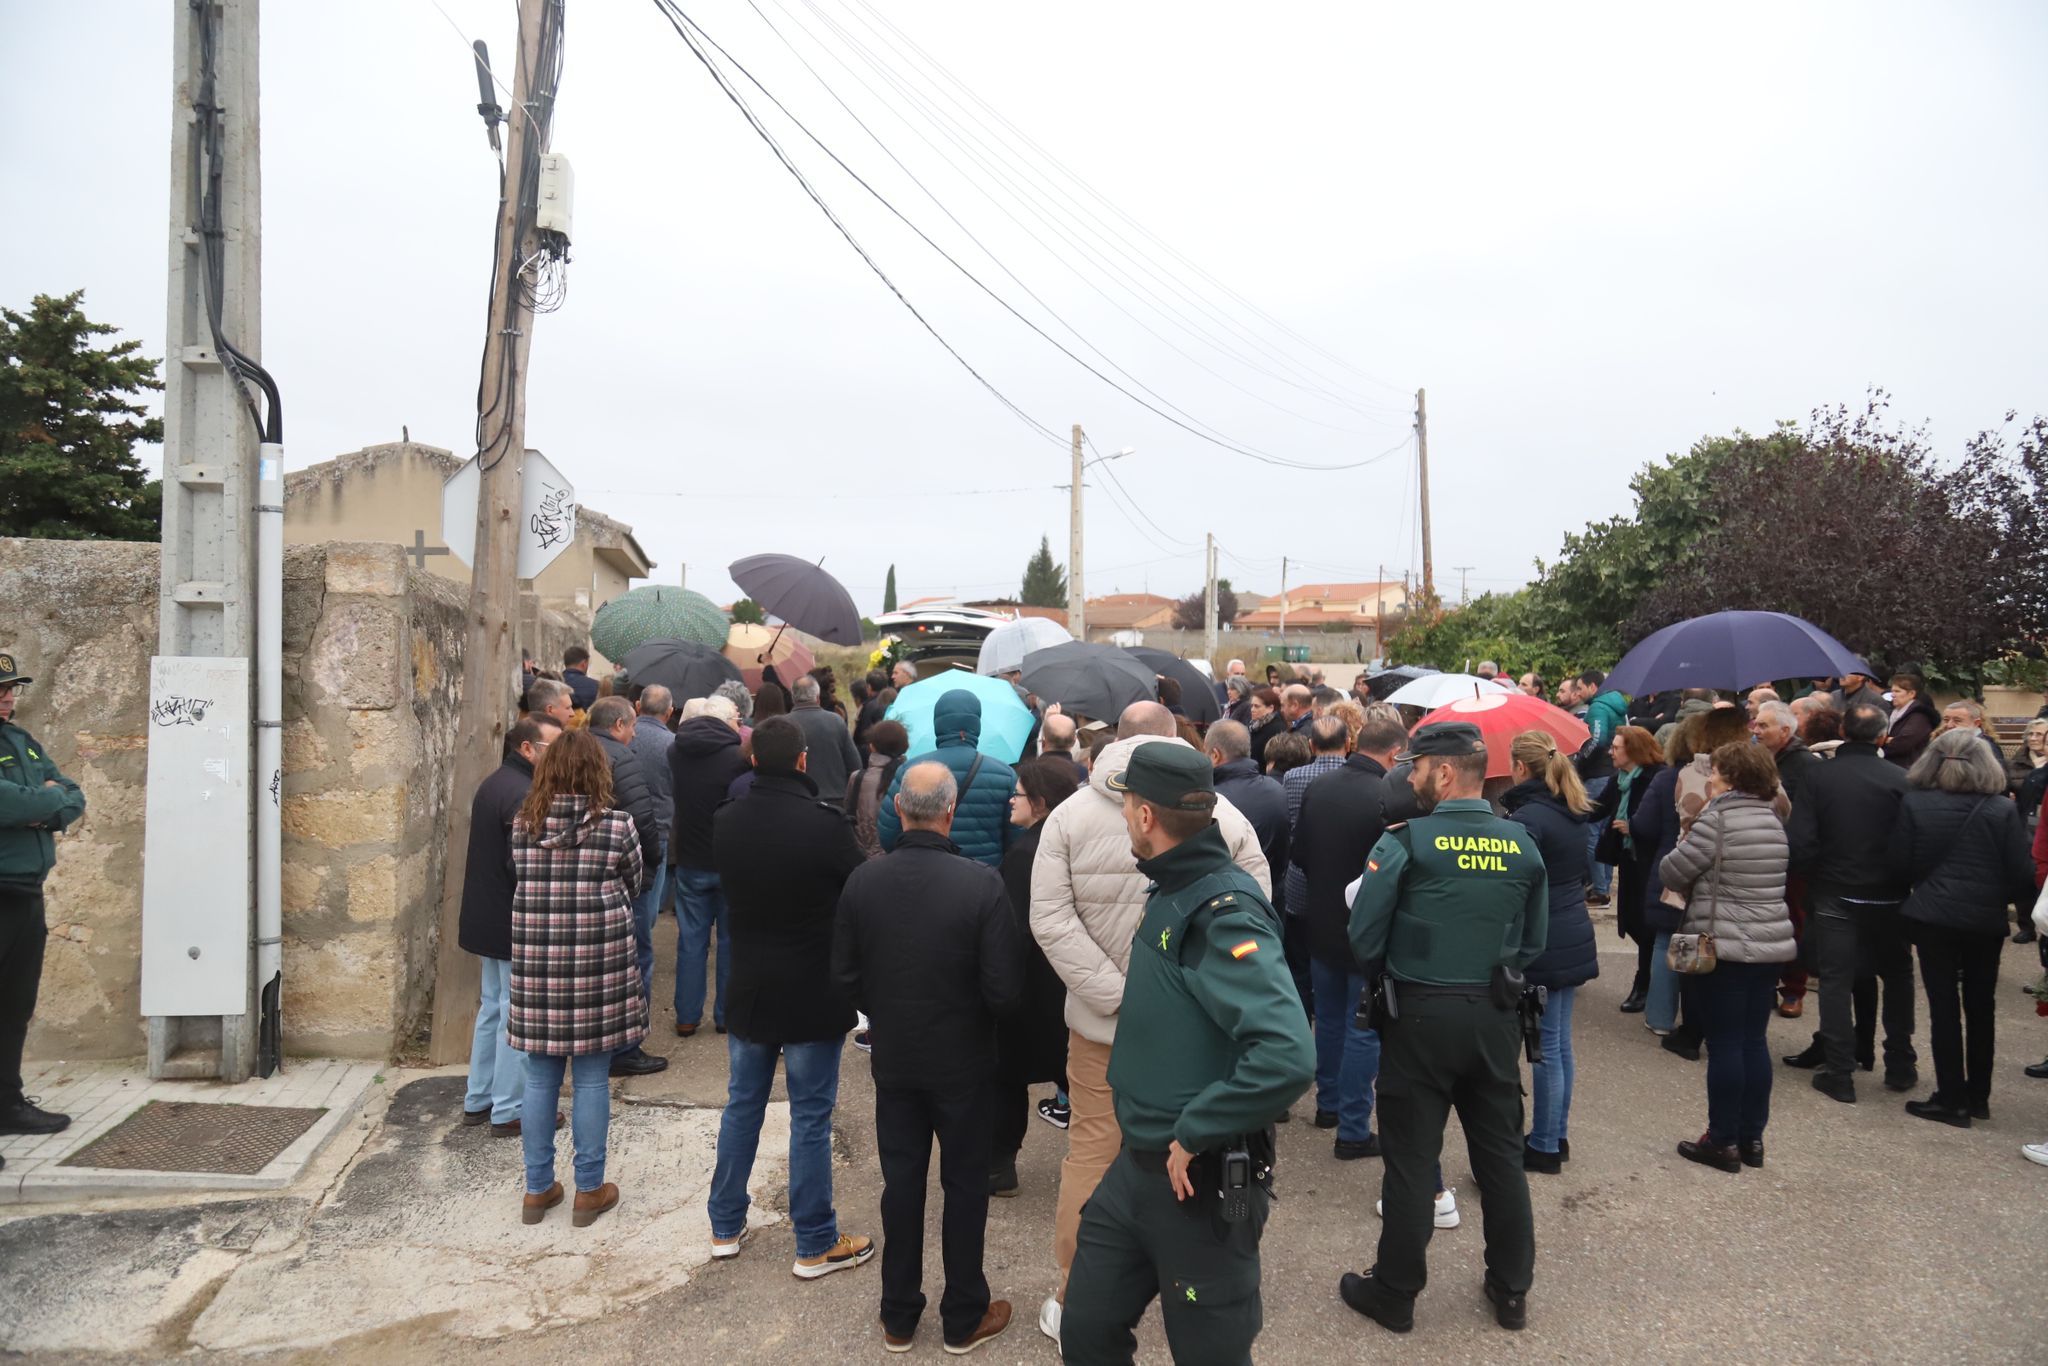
{"type": "Point", "coordinates": [100, 1095]}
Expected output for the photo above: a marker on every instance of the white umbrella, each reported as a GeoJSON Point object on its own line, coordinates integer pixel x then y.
{"type": "Point", "coordinates": [1440, 690]}
{"type": "Point", "coordinates": [1004, 648]}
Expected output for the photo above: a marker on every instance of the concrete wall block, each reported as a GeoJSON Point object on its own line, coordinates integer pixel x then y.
{"type": "Point", "coordinates": [371, 568]}
{"type": "Point", "coordinates": [337, 820]}
{"type": "Point", "coordinates": [338, 994]}
{"type": "Point", "coordinates": [304, 750]}
{"type": "Point", "coordinates": [373, 891]}
{"type": "Point", "coordinates": [355, 657]}
{"type": "Point", "coordinates": [384, 746]}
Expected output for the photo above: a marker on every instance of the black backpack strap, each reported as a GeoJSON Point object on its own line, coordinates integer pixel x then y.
{"type": "Point", "coordinates": [968, 781]}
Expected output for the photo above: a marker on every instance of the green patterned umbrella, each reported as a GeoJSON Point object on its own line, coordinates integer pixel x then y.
{"type": "Point", "coordinates": [657, 612]}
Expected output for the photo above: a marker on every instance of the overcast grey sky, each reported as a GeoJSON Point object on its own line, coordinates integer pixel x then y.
{"type": "Point", "coordinates": [1595, 233]}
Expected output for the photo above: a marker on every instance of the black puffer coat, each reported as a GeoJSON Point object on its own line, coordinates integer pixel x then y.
{"type": "Point", "coordinates": [703, 762]}
{"type": "Point", "coordinates": [632, 795]}
{"type": "Point", "coordinates": [485, 928]}
{"type": "Point", "coordinates": [1570, 957]}
{"type": "Point", "coordinates": [1967, 858]}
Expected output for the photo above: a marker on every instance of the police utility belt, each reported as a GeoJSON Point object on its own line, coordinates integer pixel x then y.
{"type": "Point", "coordinates": [1234, 1168]}
{"type": "Point", "coordinates": [1506, 989]}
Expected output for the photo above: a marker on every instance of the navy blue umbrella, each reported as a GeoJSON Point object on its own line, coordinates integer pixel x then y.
{"type": "Point", "coordinates": [1732, 650]}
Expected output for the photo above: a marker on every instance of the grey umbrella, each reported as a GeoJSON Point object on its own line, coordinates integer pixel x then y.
{"type": "Point", "coordinates": [686, 668]}
{"type": "Point", "coordinates": [1197, 693]}
{"type": "Point", "coordinates": [1098, 681]}
{"type": "Point", "coordinates": [800, 594]}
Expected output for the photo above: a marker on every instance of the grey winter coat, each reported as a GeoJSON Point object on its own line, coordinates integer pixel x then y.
{"type": "Point", "coordinates": [1742, 902]}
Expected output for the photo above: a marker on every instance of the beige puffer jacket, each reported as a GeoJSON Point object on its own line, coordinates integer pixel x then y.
{"type": "Point", "coordinates": [1087, 895]}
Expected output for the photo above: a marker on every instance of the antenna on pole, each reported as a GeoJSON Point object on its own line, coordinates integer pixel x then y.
{"type": "Point", "coordinates": [487, 100]}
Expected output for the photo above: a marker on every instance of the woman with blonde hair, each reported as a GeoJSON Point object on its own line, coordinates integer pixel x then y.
{"type": "Point", "coordinates": [1548, 798]}
{"type": "Point", "coordinates": [575, 982]}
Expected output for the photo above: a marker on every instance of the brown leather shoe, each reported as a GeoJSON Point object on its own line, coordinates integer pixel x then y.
{"type": "Point", "coordinates": [534, 1206]}
{"type": "Point", "coordinates": [992, 1323]}
{"type": "Point", "coordinates": [684, 1031]}
{"type": "Point", "coordinates": [1792, 1007]}
{"type": "Point", "coordinates": [590, 1204]}
{"type": "Point", "coordinates": [511, 1128]}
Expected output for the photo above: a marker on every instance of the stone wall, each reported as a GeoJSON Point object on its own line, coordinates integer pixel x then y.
{"type": "Point", "coordinates": [372, 675]}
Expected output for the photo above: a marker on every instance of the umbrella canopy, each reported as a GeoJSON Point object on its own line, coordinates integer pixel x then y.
{"type": "Point", "coordinates": [1440, 690]}
{"type": "Point", "coordinates": [1501, 716]}
{"type": "Point", "coordinates": [747, 642]}
{"type": "Point", "coordinates": [686, 668]}
{"type": "Point", "coordinates": [1005, 721]}
{"type": "Point", "coordinates": [1098, 681]}
{"type": "Point", "coordinates": [1386, 680]}
{"type": "Point", "coordinates": [656, 612]}
{"type": "Point", "coordinates": [1732, 650]}
{"type": "Point", "coordinates": [1003, 649]}
{"type": "Point", "coordinates": [1197, 693]}
{"type": "Point", "coordinates": [800, 593]}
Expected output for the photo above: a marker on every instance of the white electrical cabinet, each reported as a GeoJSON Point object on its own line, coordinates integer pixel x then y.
{"type": "Point", "coordinates": [195, 874]}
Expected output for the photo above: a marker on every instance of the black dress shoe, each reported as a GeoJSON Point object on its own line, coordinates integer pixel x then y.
{"type": "Point", "coordinates": [1564, 1150]}
{"type": "Point", "coordinates": [1684, 1047]}
{"type": "Point", "coordinates": [1980, 1109]}
{"type": "Point", "coordinates": [1835, 1086]}
{"type": "Point", "coordinates": [23, 1117]}
{"type": "Point", "coordinates": [1509, 1311]}
{"type": "Point", "coordinates": [1752, 1154]}
{"type": "Point", "coordinates": [1390, 1309]}
{"type": "Point", "coordinates": [1549, 1164]}
{"type": "Point", "coordinates": [1002, 1181]}
{"type": "Point", "coordinates": [636, 1062]}
{"type": "Point", "coordinates": [1904, 1080]}
{"type": "Point", "coordinates": [2025, 933]}
{"type": "Point", "coordinates": [1939, 1111]}
{"type": "Point", "coordinates": [1813, 1055]}
{"type": "Point", "coordinates": [1720, 1156]}
{"type": "Point", "coordinates": [1349, 1151]}
{"type": "Point", "coordinates": [1634, 1002]}
{"type": "Point", "coordinates": [2039, 1070]}
{"type": "Point", "coordinates": [1326, 1119]}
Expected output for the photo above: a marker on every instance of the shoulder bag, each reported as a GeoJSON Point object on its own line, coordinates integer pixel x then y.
{"type": "Point", "coordinates": [1694, 955]}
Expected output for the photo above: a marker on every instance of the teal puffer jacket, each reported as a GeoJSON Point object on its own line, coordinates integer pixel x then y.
{"type": "Point", "coordinates": [981, 814]}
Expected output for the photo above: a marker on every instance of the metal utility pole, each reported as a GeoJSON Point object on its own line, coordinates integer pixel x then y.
{"type": "Point", "coordinates": [490, 655]}
{"type": "Point", "coordinates": [1379, 602]}
{"type": "Point", "coordinates": [1422, 470]}
{"type": "Point", "coordinates": [683, 576]}
{"type": "Point", "coordinates": [1283, 600]}
{"type": "Point", "coordinates": [1463, 596]}
{"type": "Point", "coordinates": [1209, 601]}
{"type": "Point", "coordinates": [200, 960]}
{"type": "Point", "coordinates": [1077, 602]}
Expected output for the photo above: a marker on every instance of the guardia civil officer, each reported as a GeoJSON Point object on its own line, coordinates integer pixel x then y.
{"type": "Point", "coordinates": [36, 801]}
{"type": "Point", "coordinates": [1452, 906]}
{"type": "Point", "coordinates": [1211, 1048]}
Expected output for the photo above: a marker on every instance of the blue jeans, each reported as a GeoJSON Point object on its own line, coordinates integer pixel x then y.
{"type": "Point", "coordinates": [1551, 1079]}
{"type": "Point", "coordinates": [1660, 1011]}
{"type": "Point", "coordinates": [1735, 1000]}
{"type": "Point", "coordinates": [1347, 1057]}
{"type": "Point", "coordinates": [811, 1071]}
{"type": "Point", "coordinates": [700, 903]}
{"type": "Point", "coordinates": [590, 1114]}
{"type": "Point", "coordinates": [1601, 875]}
{"type": "Point", "coordinates": [497, 1070]}
{"type": "Point", "coordinates": [646, 906]}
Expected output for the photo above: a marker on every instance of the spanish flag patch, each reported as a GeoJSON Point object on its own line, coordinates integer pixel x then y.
{"type": "Point", "coordinates": [1247, 947]}
{"type": "Point", "coordinates": [1371, 866]}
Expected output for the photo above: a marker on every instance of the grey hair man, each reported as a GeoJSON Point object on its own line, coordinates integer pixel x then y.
{"type": "Point", "coordinates": [833, 760]}
{"type": "Point", "coordinates": [903, 675]}
{"type": "Point", "coordinates": [1145, 718]}
{"type": "Point", "coordinates": [1488, 669]}
{"type": "Point", "coordinates": [1963, 714]}
{"type": "Point", "coordinates": [552, 699]}
{"type": "Point", "coordinates": [1057, 737]}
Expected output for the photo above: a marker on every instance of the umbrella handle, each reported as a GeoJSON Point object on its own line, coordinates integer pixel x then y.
{"type": "Point", "coordinates": [762, 658]}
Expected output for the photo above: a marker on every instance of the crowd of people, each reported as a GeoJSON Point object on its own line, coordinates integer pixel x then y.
{"type": "Point", "coordinates": [1182, 929]}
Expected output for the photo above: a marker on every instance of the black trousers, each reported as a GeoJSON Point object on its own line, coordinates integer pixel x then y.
{"type": "Point", "coordinates": [1857, 948]}
{"type": "Point", "coordinates": [906, 1122]}
{"type": "Point", "coordinates": [1009, 1121]}
{"type": "Point", "coordinates": [1444, 1053]}
{"type": "Point", "coordinates": [1960, 970]}
{"type": "Point", "coordinates": [1137, 1241]}
{"type": "Point", "coordinates": [1294, 944]}
{"type": "Point", "coordinates": [22, 933]}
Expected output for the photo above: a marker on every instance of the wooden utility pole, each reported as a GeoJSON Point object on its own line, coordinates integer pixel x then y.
{"type": "Point", "coordinates": [1463, 596]}
{"type": "Point", "coordinates": [1077, 602]}
{"type": "Point", "coordinates": [1422, 469]}
{"type": "Point", "coordinates": [1379, 602]}
{"type": "Point", "coordinates": [490, 654]}
{"type": "Point", "coordinates": [1283, 601]}
{"type": "Point", "coordinates": [1209, 602]}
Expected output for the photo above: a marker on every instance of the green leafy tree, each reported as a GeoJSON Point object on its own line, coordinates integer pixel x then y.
{"type": "Point", "coordinates": [69, 422]}
{"type": "Point", "coordinates": [1045, 583]}
{"type": "Point", "coordinates": [889, 592]}
{"type": "Point", "coordinates": [748, 612]}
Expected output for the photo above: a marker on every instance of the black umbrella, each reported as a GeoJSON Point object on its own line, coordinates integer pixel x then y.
{"type": "Point", "coordinates": [801, 594]}
{"type": "Point", "coordinates": [1388, 680]}
{"type": "Point", "coordinates": [684, 667]}
{"type": "Point", "coordinates": [1197, 693]}
{"type": "Point", "coordinates": [1098, 681]}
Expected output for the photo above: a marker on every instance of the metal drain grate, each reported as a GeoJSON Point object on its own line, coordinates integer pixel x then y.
{"type": "Point", "coordinates": [186, 1136]}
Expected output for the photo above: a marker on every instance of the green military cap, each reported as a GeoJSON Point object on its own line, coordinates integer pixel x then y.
{"type": "Point", "coordinates": [1446, 740]}
{"type": "Point", "coordinates": [1176, 777]}
{"type": "Point", "coordinates": [8, 674]}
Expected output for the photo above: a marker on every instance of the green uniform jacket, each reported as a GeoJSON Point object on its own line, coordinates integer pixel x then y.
{"type": "Point", "coordinates": [30, 813]}
{"type": "Point", "coordinates": [1211, 1040]}
{"type": "Point", "coordinates": [1471, 893]}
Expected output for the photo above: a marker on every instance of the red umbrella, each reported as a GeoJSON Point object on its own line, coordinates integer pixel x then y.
{"type": "Point", "coordinates": [1502, 716]}
{"type": "Point", "coordinates": [745, 645]}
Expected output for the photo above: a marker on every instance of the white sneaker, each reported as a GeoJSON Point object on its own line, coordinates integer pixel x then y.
{"type": "Point", "coordinates": [1446, 1209]}
{"type": "Point", "coordinates": [2035, 1152]}
{"type": "Point", "coordinates": [722, 1248]}
{"type": "Point", "coordinates": [1049, 1317]}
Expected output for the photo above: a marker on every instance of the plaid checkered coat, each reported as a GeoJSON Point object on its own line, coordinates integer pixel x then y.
{"type": "Point", "coordinates": [575, 975]}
